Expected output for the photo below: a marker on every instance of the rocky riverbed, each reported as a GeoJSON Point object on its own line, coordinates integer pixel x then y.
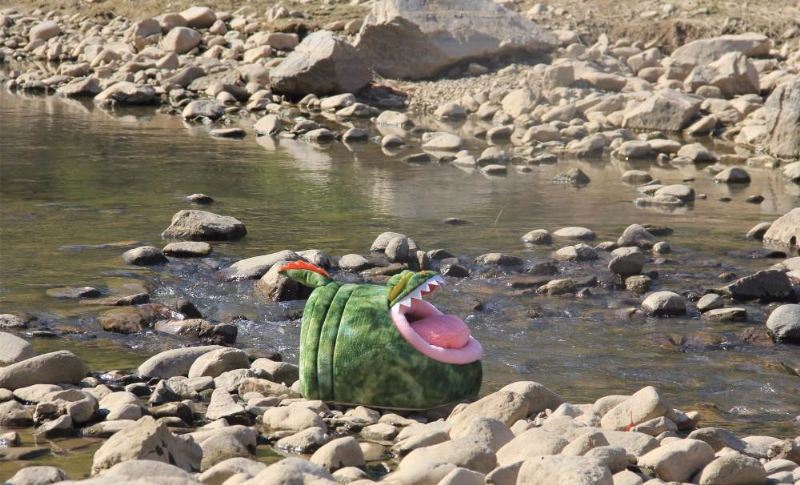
{"type": "Point", "coordinates": [533, 98]}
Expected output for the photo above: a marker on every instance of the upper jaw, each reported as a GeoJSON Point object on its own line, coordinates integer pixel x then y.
{"type": "Point", "coordinates": [471, 351]}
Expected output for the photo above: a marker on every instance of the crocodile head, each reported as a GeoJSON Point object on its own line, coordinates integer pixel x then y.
{"type": "Point", "coordinates": [383, 345]}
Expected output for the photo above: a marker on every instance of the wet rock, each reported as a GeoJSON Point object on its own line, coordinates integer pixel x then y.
{"type": "Point", "coordinates": [37, 475]}
{"type": "Point", "coordinates": [498, 259]}
{"type": "Point", "coordinates": [187, 249]}
{"type": "Point", "coordinates": [354, 262]}
{"type": "Point", "coordinates": [73, 292]}
{"type": "Point", "coordinates": [758, 231]}
{"type": "Point", "coordinates": [8, 320]}
{"type": "Point", "coordinates": [635, 149]}
{"type": "Point", "coordinates": [147, 440]}
{"type": "Point", "coordinates": [636, 177]}
{"type": "Point", "coordinates": [785, 231]}
{"type": "Point", "coordinates": [710, 301]}
{"type": "Point", "coordinates": [15, 415]}
{"type": "Point", "coordinates": [132, 319]}
{"type": "Point", "coordinates": [538, 236]}
{"type": "Point", "coordinates": [730, 314]}
{"type": "Point", "coordinates": [14, 349]}
{"type": "Point", "coordinates": [204, 226]}
{"type": "Point", "coordinates": [733, 175]}
{"type": "Point", "coordinates": [577, 233]}
{"type": "Point", "coordinates": [321, 64]}
{"type": "Point", "coordinates": [563, 469]}
{"type": "Point", "coordinates": [127, 93]}
{"type": "Point", "coordinates": [436, 37]}
{"type": "Point", "coordinates": [782, 116]}
{"type": "Point", "coordinates": [52, 368]}
{"type": "Point", "coordinates": [181, 40]}
{"type": "Point", "coordinates": [144, 256]}
{"type": "Point", "coordinates": [203, 108]}
{"type": "Point", "coordinates": [636, 235]}
{"type": "Point", "coordinates": [626, 261]}
{"type": "Point", "coordinates": [573, 176]}
{"type": "Point", "coordinates": [697, 153]}
{"type": "Point", "coordinates": [767, 285]}
{"type": "Point", "coordinates": [86, 86]}
{"type": "Point", "coordinates": [677, 460]}
{"type": "Point", "coordinates": [638, 283]}
{"type": "Point", "coordinates": [256, 267]}
{"type": "Point", "coordinates": [557, 287]}
{"type": "Point", "coordinates": [227, 133]}
{"type": "Point", "coordinates": [681, 192]}
{"type": "Point", "coordinates": [217, 333]}
{"type": "Point", "coordinates": [56, 428]}
{"type": "Point", "coordinates": [784, 323]}
{"type": "Point", "coordinates": [175, 362]}
{"type": "Point", "coordinates": [665, 110]}
{"type": "Point", "coordinates": [275, 286]}
{"type": "Point", "coordinates": [578, 252]}
{"type": "Point", "coordinates": [664, 303]}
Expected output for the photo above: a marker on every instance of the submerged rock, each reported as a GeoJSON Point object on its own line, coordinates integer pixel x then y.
{"type": "Point", "coordinates": [785, 231]}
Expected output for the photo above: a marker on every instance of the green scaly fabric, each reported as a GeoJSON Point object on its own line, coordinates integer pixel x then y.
{"type": "Point", "coordinates": [351, 352]}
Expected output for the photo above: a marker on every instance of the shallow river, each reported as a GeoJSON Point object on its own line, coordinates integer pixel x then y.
{"type": "Point", "coordinates": [73, 176]}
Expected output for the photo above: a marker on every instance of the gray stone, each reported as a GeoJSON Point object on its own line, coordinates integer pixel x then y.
{"type": "Point", "coordinates": [665, 110]}
{"type": "Point", "coordinates": [733, 469]}
{"type": "Point", "coordinates": [175, 362]}
{"type": "Point", "coordinates": [293, 471]}
{"type": "Point", "coordinates": [767, 285]}
{"type": "Point", "coordinates": [437, 36]}
{"type": "Point", "coordinates": [144, 256]}
{"type": "Point", "coordinates": [575, 470]}
{"type": "Point", "coordinates": [785, 231]}
{"type": "Point", "coordinates": [664, 303]}
{"type": "Point", "coordinates": [677, 460]}
{"type": "Point", "coordinates": [705, 51]}
{"type": "Point", "coordinates": [187, 249]}
{"type": "Point", "coordinates": [782, 116]}
{"type": "Point", "coordinates": [37, 475]}
{"type": "Point", "coordinates": [784, 323]}
{"type": "Point", "coordinates": [538, 236]}
{"type": "Point", "coordinates": [321, 64]}
{"type": "Point", "coordinates": [14, 349]}
{"type": "Point", "coordinates": [339, 453]}
{"type": "Point", "coordinates": [626, 261]}
{"type": "Point", "coordinates": [147, 440]}
{"type": "Point", "coordinates": [203, 108]}
{"type": "Point", "coordinates": [181, 40]}
{"type": "Point", "coordinates": [128, 93]}
{"type": "Point", "coordinates": [61, 367]}
{"type": "Point", "coordinates": [204, 226]}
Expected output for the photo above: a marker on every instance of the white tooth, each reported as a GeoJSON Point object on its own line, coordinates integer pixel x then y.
{"type": "Point", "coordinates": [406, 302]}
{"type": "Point", "coordinates": [438, 279]}
{"type": "Point", "coordinates": [425, 288]}
{"type": "Point", "coordinates": [416, 294]}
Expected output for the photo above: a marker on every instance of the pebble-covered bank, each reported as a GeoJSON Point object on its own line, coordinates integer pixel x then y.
{"type": "Point", "coordinates": [208, 413]}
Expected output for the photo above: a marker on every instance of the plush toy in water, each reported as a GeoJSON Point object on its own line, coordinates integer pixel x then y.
{"type": "Point", "coordinates": [383, 346]}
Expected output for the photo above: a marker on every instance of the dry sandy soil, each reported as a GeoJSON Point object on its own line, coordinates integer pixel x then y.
{"type": "Point", "coordinates": [632, 19]}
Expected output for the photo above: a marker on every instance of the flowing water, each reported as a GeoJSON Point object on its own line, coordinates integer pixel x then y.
{"type": "Point", "coordinates": [78, 185]}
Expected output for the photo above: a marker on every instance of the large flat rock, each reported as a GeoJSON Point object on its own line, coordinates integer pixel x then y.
{"type": "Point", "coordinates": [415, 39]}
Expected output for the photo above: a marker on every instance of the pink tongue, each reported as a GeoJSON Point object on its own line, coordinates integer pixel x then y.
{"type": "Point", "coordinates": [447, 331]}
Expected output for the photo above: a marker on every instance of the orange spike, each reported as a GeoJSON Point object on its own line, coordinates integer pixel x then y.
{"type": "Point", "coordinates": [630, 426]}
{"type": "Point", "coordinates": [302, 265]}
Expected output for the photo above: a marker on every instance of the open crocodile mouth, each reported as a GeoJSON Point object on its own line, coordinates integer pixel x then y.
{"type": "Point", "coordinates": [445, 338]}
